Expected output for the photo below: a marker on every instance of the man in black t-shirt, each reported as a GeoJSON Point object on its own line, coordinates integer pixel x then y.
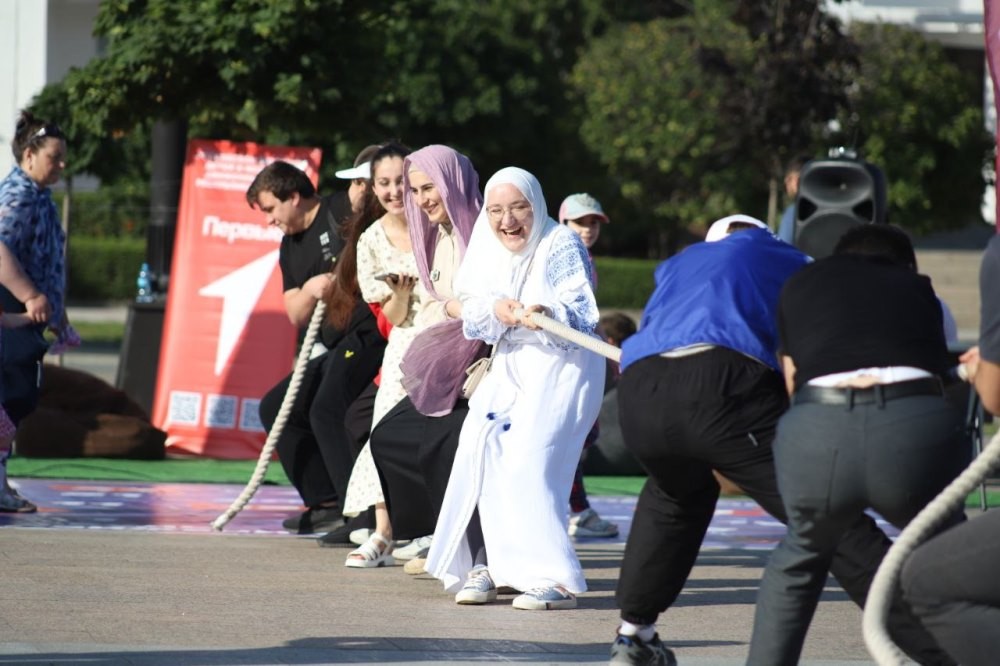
{"type": "Point", "coordinates": [314, 458]}
{"type": "Point", "coordinates": [863, 351]}
{"type": "Point", "coordinates": [951, 580]}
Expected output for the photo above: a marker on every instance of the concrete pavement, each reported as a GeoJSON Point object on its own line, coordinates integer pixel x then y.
{"type": "Point", "coordinates": [129, 597]}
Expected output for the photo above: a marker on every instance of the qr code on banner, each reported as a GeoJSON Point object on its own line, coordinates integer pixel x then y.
{"type": "Point", "coordinates": [220, 411]}
{"type": "Point", "coordinates": [250, 415]}
{"type": "Point", "coordinates": [185, 408]}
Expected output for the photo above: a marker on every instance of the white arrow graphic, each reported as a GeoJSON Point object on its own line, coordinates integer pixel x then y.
{"type": "Point", "coordinates": [239, 291]}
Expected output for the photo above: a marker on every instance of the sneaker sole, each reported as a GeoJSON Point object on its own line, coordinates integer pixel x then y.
{"type": "Point", "coordinates": [534, 604]}
{"type": "Point", "coordinates": [580, 532]}
{"type": "Point", "coordinates": [475, 598]}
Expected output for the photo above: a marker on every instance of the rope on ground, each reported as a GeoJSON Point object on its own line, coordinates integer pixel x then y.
{"type": "Point", "coordinates": [576, 337]}
{"type": "Point", "coordinates": [279, 422]}
{"type": "Point", "coordinates": [880, 595]}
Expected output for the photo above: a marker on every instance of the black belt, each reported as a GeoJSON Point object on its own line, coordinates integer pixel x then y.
{"type": "Point", "coordinates": [878, 393]}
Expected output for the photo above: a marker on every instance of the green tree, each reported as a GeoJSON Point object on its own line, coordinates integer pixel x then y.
{"type": "Point", "coordinates": [697, 114]}
{"type": "Point", "coordinates": [919, 117]}
{"type": "Point", "coordinates": [488, 77]}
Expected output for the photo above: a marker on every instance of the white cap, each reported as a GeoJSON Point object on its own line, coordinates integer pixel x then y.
{"type": "Point", "coordinates": [360, 171]}
{"type": "Point", "coordinates": [362, 165]}
{"type": "Point", "coordinates": [720, 228]}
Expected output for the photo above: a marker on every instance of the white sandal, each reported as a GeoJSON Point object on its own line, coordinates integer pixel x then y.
{"type": "Point", "coordinates": [376, 552]}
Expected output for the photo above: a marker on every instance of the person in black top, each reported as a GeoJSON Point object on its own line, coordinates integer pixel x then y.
{"type": "Point", "coordinates": [951, 580]}
{"type": "Point", "coordinates": [863, 352]}
{"type": "Point", "coordinates": [311, 451]}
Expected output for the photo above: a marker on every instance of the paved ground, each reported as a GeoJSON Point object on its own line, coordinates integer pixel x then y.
{"type": "Point", "coordinates": [111, 573]}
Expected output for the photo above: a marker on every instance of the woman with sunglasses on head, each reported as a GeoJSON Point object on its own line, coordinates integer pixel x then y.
{"type": "Point", "coordinates": [527, 420]}
{"type": "Point", "coordinates": [32, 269]}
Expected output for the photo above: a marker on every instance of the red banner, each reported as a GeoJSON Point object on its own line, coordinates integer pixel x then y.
{"type": "Point", "coordinates": [992, 25]}
{"type": "Point", "coordinates": [226, 336]}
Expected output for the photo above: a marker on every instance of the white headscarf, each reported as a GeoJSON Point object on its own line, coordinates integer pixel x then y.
{"type": "Point", "coordinates": [489, 268]}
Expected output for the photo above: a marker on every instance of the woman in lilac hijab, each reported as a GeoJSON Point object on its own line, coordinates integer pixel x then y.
{"type": "Point", "coordinates": [414, 444]}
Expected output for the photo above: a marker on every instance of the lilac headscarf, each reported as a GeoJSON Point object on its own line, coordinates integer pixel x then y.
{"type": "Point", "coordinates": [434, 365]}
{"type": "Point", "coordinates": [458, 184]}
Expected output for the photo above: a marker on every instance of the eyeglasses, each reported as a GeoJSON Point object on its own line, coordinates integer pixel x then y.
{"type": "Point", "coordinates": [519, 211]}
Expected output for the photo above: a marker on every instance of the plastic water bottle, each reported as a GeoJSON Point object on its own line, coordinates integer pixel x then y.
{"type": "Point", "coordinates": [144, 286]}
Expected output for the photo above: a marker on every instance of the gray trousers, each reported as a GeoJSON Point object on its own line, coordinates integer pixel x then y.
{"type": "Point", "coordinates": [833, 463]}
{"type": "Point", "coordinates": [952, 584]}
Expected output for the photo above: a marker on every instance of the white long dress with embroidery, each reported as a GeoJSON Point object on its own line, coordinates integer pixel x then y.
{"type": "Point", "coordinates": [377, 255]}
{"type": "Point", "coordinates": [521, 441]}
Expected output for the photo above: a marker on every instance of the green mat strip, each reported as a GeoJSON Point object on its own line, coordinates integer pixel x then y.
{"type": "Point", "coordinates": [198, 470]}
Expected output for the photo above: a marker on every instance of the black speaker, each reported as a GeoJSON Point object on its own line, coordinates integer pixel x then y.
{"type": "Point", "coordinates": [835, 195]}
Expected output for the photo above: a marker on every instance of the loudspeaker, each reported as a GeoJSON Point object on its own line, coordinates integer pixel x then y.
{"type": "Point", "coordinates": [834, 196]}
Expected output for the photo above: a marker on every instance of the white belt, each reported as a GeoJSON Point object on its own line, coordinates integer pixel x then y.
{"type": "Point", "coordinates": [690, 350]}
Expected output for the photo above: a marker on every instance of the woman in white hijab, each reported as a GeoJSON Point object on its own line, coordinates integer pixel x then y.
{"type": "Point", "coordinates": [527, 420]}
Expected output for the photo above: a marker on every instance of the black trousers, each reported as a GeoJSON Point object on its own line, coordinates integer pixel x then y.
{"type": "Point", "coordinates": [684, 417]}
{"type": "Point", "coordinates": [414, 454]}
{"type": "Point", "coordinates": [318, 444]}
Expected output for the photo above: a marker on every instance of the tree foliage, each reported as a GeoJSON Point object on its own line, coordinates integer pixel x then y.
{"type": "Point", "coordinates": [670, 112]}
{"type": "Point", "coordinates": [697, 114]}
{"type": "Point", "coordinates": [915, 114]}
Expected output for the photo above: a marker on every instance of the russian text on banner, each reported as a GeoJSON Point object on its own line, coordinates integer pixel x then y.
{"type": "Point", "coordinates": [226, 336]}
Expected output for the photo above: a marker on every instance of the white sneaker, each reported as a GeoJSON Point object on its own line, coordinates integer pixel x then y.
{"type": "Point", "coordinates": [419, 547]}
{"type": "Point", "coordinates": [545, 598]}
{"type": "Point", "coordinates": [359, 536]}
{"type": "Point", "coordinates": [478, 589]}
{"type": "Point", "coordinates": [588, 524]}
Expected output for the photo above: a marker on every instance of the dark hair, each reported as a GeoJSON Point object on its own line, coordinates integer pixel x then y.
{"type": "Point", "coordinates": [32, 133]}
{"type": "Point", "coordinates": [282, 180]}
{"type": "Point", "coordinates": [342, 297]}
{"type": "Point", "coordinates": [386, 150]}
{"type": "Point", "coordinates": [884, 241]}
{"type": "Point", "coordinates": [617, 326]}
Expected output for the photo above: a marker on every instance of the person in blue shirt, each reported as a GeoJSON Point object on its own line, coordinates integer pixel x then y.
{"type": "Point", "coordinates": [701, 390]}
{"type": "Point", "coordinates": [786, 228]}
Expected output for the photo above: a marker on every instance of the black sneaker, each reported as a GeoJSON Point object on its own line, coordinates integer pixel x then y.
{"type": "Point", "coordinates": [314, 519]}
{"type": "Point", "coordinates": [340, 536]}
{"type": "Point", "coordinates": [632, 650]}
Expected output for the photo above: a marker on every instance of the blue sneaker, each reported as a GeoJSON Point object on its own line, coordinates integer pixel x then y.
{"type": "Point", "coordinates": [633, 650]}
{"type": "Point", "coordinates": [478, 589]}
{"type": "Point", "coordinates": [545, 598]}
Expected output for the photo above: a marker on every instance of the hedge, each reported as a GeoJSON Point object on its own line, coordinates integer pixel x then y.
{"type": "Point", "coordinates": [624, 283]}
{"type": "Point", "coordinates": [103, 269]}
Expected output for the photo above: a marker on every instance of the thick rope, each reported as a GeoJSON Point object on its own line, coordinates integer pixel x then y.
{"type": "Point", "coordinates": [877, 638]}
{"type": "Point", "coordinates": [581, 339]}
{"type": "Point", "coordinates": [279, 422]}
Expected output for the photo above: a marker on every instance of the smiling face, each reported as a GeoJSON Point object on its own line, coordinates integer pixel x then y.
{"type": "Point", "coordinates": [46, 164]}
{"type": "Point", "coordinates": [588, 228]}
{"type": "Point", "coordinates": [427, 197]}
{"type": "Point", "coordinates": [387, 180]}
{"type": "Point", "coordinates": [510, 216]}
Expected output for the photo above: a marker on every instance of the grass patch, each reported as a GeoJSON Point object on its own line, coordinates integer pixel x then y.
{"type": "Point", "coordinates": [195, 470]}
{"type": "Point", "coordinates": [100, 332]}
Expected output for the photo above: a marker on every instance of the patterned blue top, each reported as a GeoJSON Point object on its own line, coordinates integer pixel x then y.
{"type": "Point", "coordinates": [567, 277]}
{"type": "Point", "coordinates": [30, 228]}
